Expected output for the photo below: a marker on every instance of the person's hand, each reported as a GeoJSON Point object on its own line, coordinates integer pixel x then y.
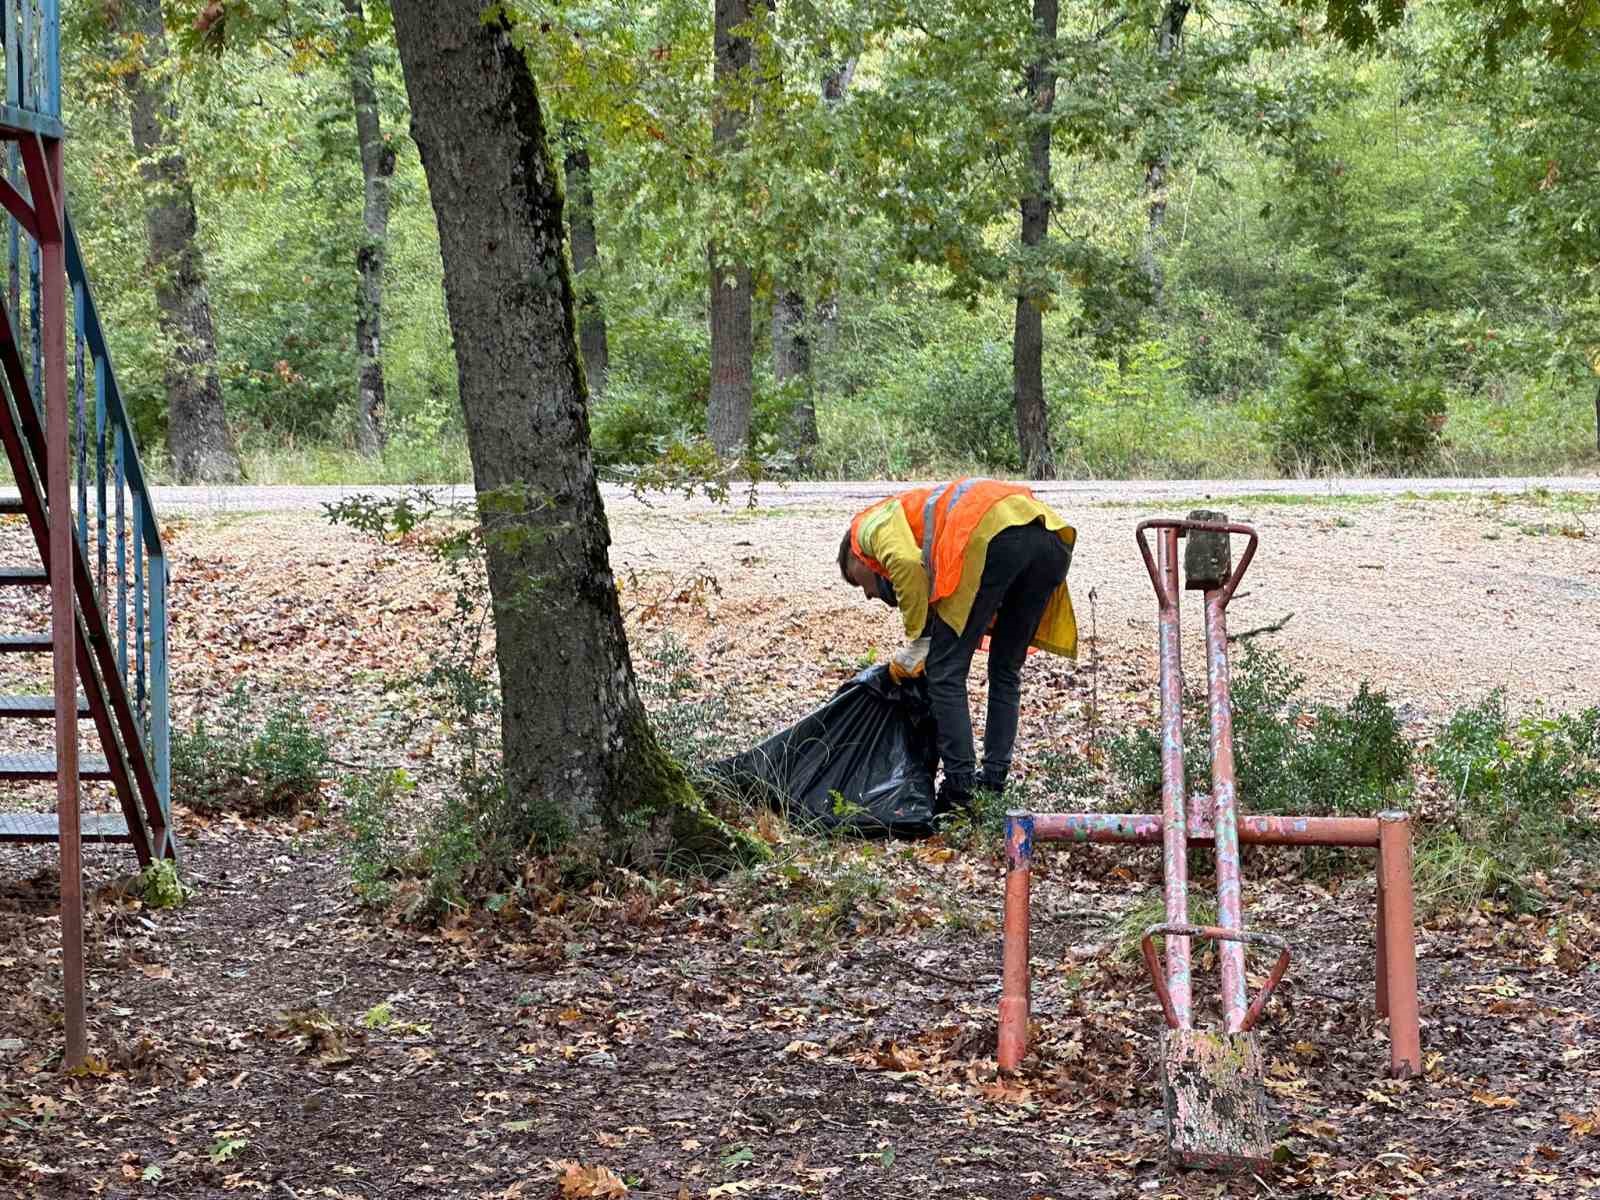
{"type": "Point", "coordinates": [900, 674]}
{"type": "Point", "coordinates": [910, 661]}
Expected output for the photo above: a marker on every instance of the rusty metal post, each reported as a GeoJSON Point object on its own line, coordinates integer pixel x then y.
{"type": "Point", "coordinates": [1174, 823]}
{"type": "Point", "coordinates": [1230, 890]}
{"type": "Point", "coordinates": [1397, 959]}
{"type": "Point", "coordinates": [1015, 984]}
{"type": "Point", "coordinates": [1224, 795]}
{"type": "Point", "coordinates": [63, 621]}
{"type": "Point", "coordinates": [1381, 999]}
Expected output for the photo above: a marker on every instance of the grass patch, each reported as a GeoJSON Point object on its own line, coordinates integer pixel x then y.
{"type": "Point", "coordinates": [1125, 932]}
{"type": "Point", "coordinates": [403, 461]}
{"type": "Point", "coordinates": [1521, 793]}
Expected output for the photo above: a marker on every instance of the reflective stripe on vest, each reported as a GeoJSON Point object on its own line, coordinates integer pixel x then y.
{"type": "Point", "coordinates": [930, 513]}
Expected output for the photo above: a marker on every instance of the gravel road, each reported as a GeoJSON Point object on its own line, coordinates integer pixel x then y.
{"type": "Point", "coordinates": [250, 498]}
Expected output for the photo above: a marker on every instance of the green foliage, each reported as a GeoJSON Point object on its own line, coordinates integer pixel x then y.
{"type": "Point", "coordinates": [1523, 792]}
{"type": "Point", "coordinates": [963, 400]}
{"type": "Point", "coordinates": [1337, 411]}
{"type": "Point", "coordinates": [1434, 215]}
{"type": "Point", "coordinates": [1290, 756]}
{"type": "Point", "coordinates": [160, 886]}
{"type": "Point", "coordinates": [249, 763]}
{"type": "Point", "coordinates": [1126, 931]}
{"type": "Point", "coordinates": [374, 852]}
{"type": "Point", "coordinates": [688, 719]}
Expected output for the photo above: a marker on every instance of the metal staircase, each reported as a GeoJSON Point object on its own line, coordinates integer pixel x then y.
{"type": "Point", "coordinates": [83, 576]}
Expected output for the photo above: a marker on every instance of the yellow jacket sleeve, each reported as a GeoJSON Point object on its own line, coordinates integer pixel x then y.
{"type": "Point", "coordinates": [886, 536]}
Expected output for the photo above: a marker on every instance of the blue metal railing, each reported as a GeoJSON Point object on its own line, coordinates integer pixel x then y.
{"type": "Point", "coordinates": [32, 31]}
{"type": "Point", "coordinates": [148, 688]}
{"type": "Point", "coordinates": [137, 577]}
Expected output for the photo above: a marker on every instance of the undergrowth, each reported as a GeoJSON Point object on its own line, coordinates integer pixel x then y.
{"type": "Point", "coordinates": [1503, 798]}
{"type": "Point", "coordinates": [1520, 794]}
{"type": "Point", "coordinates": [1290, 756]}
{"type": "Point", "coordinates": [247, 762]}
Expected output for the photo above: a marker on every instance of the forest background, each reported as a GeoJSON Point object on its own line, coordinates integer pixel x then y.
{"type": "Point", "coordinates": [848, 240]}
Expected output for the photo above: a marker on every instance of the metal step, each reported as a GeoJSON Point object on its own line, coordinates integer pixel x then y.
{"type": "Point", "coordinates": [25, 643]}
{"type": "Point", "coordinates": [16, 767]}
{"type": "Point", "coordinates": [24, 576]}
{"type": "Point", "coordinates": [29, 707]}
{"type": "Point", "coordinates": [11, 506]}
{"type": "Point", "coordinates": [43, 827]}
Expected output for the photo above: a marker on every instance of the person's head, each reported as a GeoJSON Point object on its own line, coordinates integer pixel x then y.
{"type": "Point", "coordinates": [857, 574]}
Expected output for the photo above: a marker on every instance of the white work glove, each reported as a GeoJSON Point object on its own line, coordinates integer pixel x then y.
{"type": "Point", "coordinates": [909, 661]}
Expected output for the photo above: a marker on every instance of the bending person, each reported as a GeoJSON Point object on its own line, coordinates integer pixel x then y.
{"type": "Point", "coordinates": [972, 557]}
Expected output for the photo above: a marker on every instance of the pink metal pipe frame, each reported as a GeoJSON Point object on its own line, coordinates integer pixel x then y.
{"type": "Point", "coordinates": [1215, 933]}
{"type": "Point", "coordinates": [1389, 833]}
{"type": "Point", "coordinates": [1177, 829]}
{"type": "Point", "coordinates": [1174, 815]}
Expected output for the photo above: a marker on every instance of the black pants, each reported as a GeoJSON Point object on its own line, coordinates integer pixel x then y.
{"type": "Point", "coordinates": [1024, 566]}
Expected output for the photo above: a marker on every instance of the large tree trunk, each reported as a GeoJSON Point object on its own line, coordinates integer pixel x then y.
{"type": "Point", "coordinates": [1168, 35]}
{"type": "Point", "coordinates": [579, 750]}
{"type": "Point", "coordinates": [377, 166]}
{"type": "Point", "coordinates": [585, 259]}
{"type": "Point", "coordinates": [732, 351]}
{"type": "Point", "coordinates": [1027, 346]}
{"type": "Point", "coordinates": [197, 425]}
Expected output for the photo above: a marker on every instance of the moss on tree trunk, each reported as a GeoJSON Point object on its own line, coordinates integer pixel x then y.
{"type": "Point", "coordinates": [578, 745]}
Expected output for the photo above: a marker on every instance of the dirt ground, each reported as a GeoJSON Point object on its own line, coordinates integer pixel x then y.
{"type": "Point", "coordinates": [824, 1027]}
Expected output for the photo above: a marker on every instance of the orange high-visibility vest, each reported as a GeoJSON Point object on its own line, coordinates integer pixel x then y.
{"type": "Point", "coordinates": [942, 519]}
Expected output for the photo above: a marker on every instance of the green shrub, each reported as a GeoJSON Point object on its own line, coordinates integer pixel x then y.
{"type": "Point", "coordinates": [687, 727]}
{"type": "Point", "coordinates": [963, 398]}
{"type": "Point", "coordinates": [1289, 756]}
{"type": "Point", "coordinates": [1523, 791]}
{"type": "Point", "coordinates": [373, 852]}
{"type": "Point", "coordinates": [1335, 411]}
{"type": "Point", "coordinates": [160, 886]}
{"type": "Point", "coordinates": [272, 766]}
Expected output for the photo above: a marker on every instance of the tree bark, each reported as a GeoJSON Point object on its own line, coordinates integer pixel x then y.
{"type": "Point", "coordinates": [578, 747]}
{"type": "Point", "coordinates": [1027, 346]}
{"type": "Point", "coordinates": [1169, 34]}
{"type": "Point", "coordinates": [197, 424]}
{"type": "Point", "coordinates": [793, 343]}
{"type": "Point", "coordinates": [585, 259]}
{"type": "Point", "coordinates": [732, 351]}
{"type": "Point", "coordinates": [791, 364]}
{"type": "Point", "coordinates": [377, 166]}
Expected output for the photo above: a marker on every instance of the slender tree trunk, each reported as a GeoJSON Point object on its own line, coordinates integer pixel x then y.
{"type": "Point", "coordinates": [578, 746]}
{"type": "Point", "coordinates": [377, 166]}
{"type": "Point", "coordinates": [585, 259]}
{"type": "Point", "coordinates": [791, 364]}
{"type": "Point", "coordinates": [793, 343]}
{"type": "Point", "coordinates": [1597, 417]}
{"type": "Point", "coordinates": [1169, 33]}
{"type": "Point", "coordinates": [197, 424]}
{"type": "Point", "coordinates": [1027, 347]}
{"type": "Point", "coordinates": [732, 349]}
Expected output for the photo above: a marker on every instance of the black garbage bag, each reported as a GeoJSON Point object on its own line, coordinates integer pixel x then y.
{"type": "Point", "coordinates": [864, 761]}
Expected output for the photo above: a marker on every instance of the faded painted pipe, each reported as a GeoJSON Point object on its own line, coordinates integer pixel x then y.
{"type": "Point", "coordinates": [1174, 824]}
{"type": "Point", "coordinates": [1397, 954]}
{"type": "Point", "coordinates": [1230, 888]}
{"type": "Point", "coordinates": [1254, 829]}
{"type": "Point", "coordinates": [1228, 937]}
{"type": "Point", "coordinates": [1014, 972]}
